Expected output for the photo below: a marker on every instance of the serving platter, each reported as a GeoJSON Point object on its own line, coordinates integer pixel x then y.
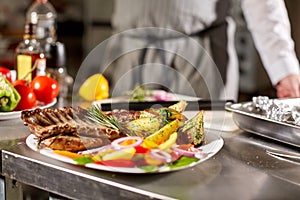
{"type": "Point", "coordinates": [17, 114]}
{"type": "Point", "coordinates": [213, 144]}
{"type": "Point", "coordinates": [280, 124]}
{"type": "Point", "coordinates": [151, 95]}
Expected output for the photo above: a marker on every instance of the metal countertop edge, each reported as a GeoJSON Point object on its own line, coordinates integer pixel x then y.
{"type": "Point", "coordinates": [101, 180]}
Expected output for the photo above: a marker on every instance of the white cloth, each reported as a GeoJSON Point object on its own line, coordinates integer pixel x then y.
{"type": "Point", "coordinates": [183, 66]}
{"type": "Point", "coordinates": [270, 27]}
{"type": "Point", "coordinates": [183, 16]}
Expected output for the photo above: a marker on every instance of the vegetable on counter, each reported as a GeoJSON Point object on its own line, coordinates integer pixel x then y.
{"type": "Point", "coordinates": [138, 94]}
{"type": "Point", "coordinates": [28, 98]}
{"type": "Point", "coordinates": [22, 95]}
{"type": "Point", "coordinates": [5, 72]}
{"type": "Point", "coordinates": [45, 88]}
{"type": "Point", "coordinates": [95, 87]}
{"type": "Point", "coordinates": [9, 96]}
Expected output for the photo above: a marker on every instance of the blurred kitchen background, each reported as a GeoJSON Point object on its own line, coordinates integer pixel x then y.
{"type": "Point", "coordinates": [82, 25]}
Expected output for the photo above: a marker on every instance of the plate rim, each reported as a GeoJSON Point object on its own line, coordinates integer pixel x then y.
{"type": "Point", "coordinates": [17, 114]}
{"type": "Point", "coordinates": [126, 98]}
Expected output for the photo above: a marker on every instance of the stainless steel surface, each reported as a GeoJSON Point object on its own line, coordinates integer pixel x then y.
{"type": "Point", "coordinates": [243, 169]}
{"type": "Point", "coordinates": [294, 157]}
{"type": "Point", "coordinates": [251, 120]}
{"type": "Point", "coordinates": [11, 133]}
{"type": "Point", "coordinates": [2, 188]}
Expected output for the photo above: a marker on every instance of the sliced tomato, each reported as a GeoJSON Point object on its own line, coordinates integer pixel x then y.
{"type": "Point", "coordinates": [141, 149]}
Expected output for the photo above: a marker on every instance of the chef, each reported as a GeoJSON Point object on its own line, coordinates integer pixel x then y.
{"type": "Point", "coordinates": [187, 47]}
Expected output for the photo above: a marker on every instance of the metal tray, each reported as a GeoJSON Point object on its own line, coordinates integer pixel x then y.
{"type": "Point", "coordinates": [253, 120]}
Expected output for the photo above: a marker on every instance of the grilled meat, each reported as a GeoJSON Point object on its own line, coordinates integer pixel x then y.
{"type": "Point", "coordinates": [124, 116]}
{"type": "Point", "coordinates": [67, 129]}
{"type": "Point", "coordinates": [72, 143]}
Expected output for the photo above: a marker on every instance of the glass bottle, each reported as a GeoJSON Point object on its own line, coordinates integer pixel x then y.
{"type": "Point", "coordinates": [56, 66]}
{"type": "Point", "coordinates": [44, 14]}
{"type": "Point", "coordinates": [30, 57]}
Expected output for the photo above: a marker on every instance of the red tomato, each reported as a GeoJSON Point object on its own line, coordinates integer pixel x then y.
{"type": "Point", "coordinates": [140, 149]}
{"type": "Point", "coordinates": [28, 98]}
{"type": "Point", "coordinates": [5, 73]}
{"type": "Point", "coordinates": [45, 88]}
{"type": "Point", "coordinates": [20, 82]}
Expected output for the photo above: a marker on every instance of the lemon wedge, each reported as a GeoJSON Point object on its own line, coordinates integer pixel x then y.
{"type": "Point", "coordinates": [95, 87]}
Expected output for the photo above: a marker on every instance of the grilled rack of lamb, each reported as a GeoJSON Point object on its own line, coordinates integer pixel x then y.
{"type": "Point", "coordinates": [67, 129]}
{"type": "Point", "coordinates": [77, 129]}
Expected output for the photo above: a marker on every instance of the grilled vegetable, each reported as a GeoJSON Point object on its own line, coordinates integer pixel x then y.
{"type": "Point", "coordinates": [9, 97]}
{"type": "Point", "coordinates": [170, 142]}
{"type": "Point", "coordinates": [143, 127]}
{"type": "Point", "coordinates": [165, 114]}
{"type": "Point", "coordinates": [194, 129]}
{"type": "Point", "coordinates": [156, 125]}
{"type": "Point", "coordinates": [180, 106]}
{"type": "Point", "coordinates": [169, 114]}
{"type": "Point", "coordinates": [162, 134]}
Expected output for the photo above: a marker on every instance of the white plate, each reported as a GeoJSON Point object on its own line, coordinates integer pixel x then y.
{"type": "Point", "coordinates": [150, 97]}
{"type": "Point", "coordinates": [17, 114]}
{"type": "Point", "coordinates": [213, 144]}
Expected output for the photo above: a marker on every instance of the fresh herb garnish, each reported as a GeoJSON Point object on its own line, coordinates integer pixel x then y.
{"type": "Point", "coordinates": [165, 113]}
{"type": "Point", "coordinates": [95, 113]}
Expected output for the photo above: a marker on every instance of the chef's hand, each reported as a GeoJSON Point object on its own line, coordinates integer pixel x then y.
{"type": "Point", "coordinates": [289, 87]}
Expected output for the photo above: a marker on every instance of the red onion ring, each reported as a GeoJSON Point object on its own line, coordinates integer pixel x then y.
{"type": "Point", "coordinates": [95, 151]}
{"type": "Point", "coordinates": [116, 143]}
{"type": "Point", "coordinates": [162, 96]}
{"type": "Point", "coordinates": [161, 155]}
{"type": "Point", "coordinates": [194, 152]}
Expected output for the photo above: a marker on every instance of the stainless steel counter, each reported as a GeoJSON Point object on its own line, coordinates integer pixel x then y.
{"type": "Point", "coordinates": [241, 170]}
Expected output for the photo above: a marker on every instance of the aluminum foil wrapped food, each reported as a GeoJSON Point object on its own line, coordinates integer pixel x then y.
{"type": "Point", "coordinates": [277, 109]}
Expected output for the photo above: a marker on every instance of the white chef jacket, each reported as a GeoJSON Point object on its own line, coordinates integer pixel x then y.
{"type": "Point", "coordinates": [267, 20]}
{"type": "Point", "coordinates": [270, 27]}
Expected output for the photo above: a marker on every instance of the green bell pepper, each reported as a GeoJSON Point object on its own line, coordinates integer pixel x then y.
{"type": "Point", "coordinates": [9, 96]}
